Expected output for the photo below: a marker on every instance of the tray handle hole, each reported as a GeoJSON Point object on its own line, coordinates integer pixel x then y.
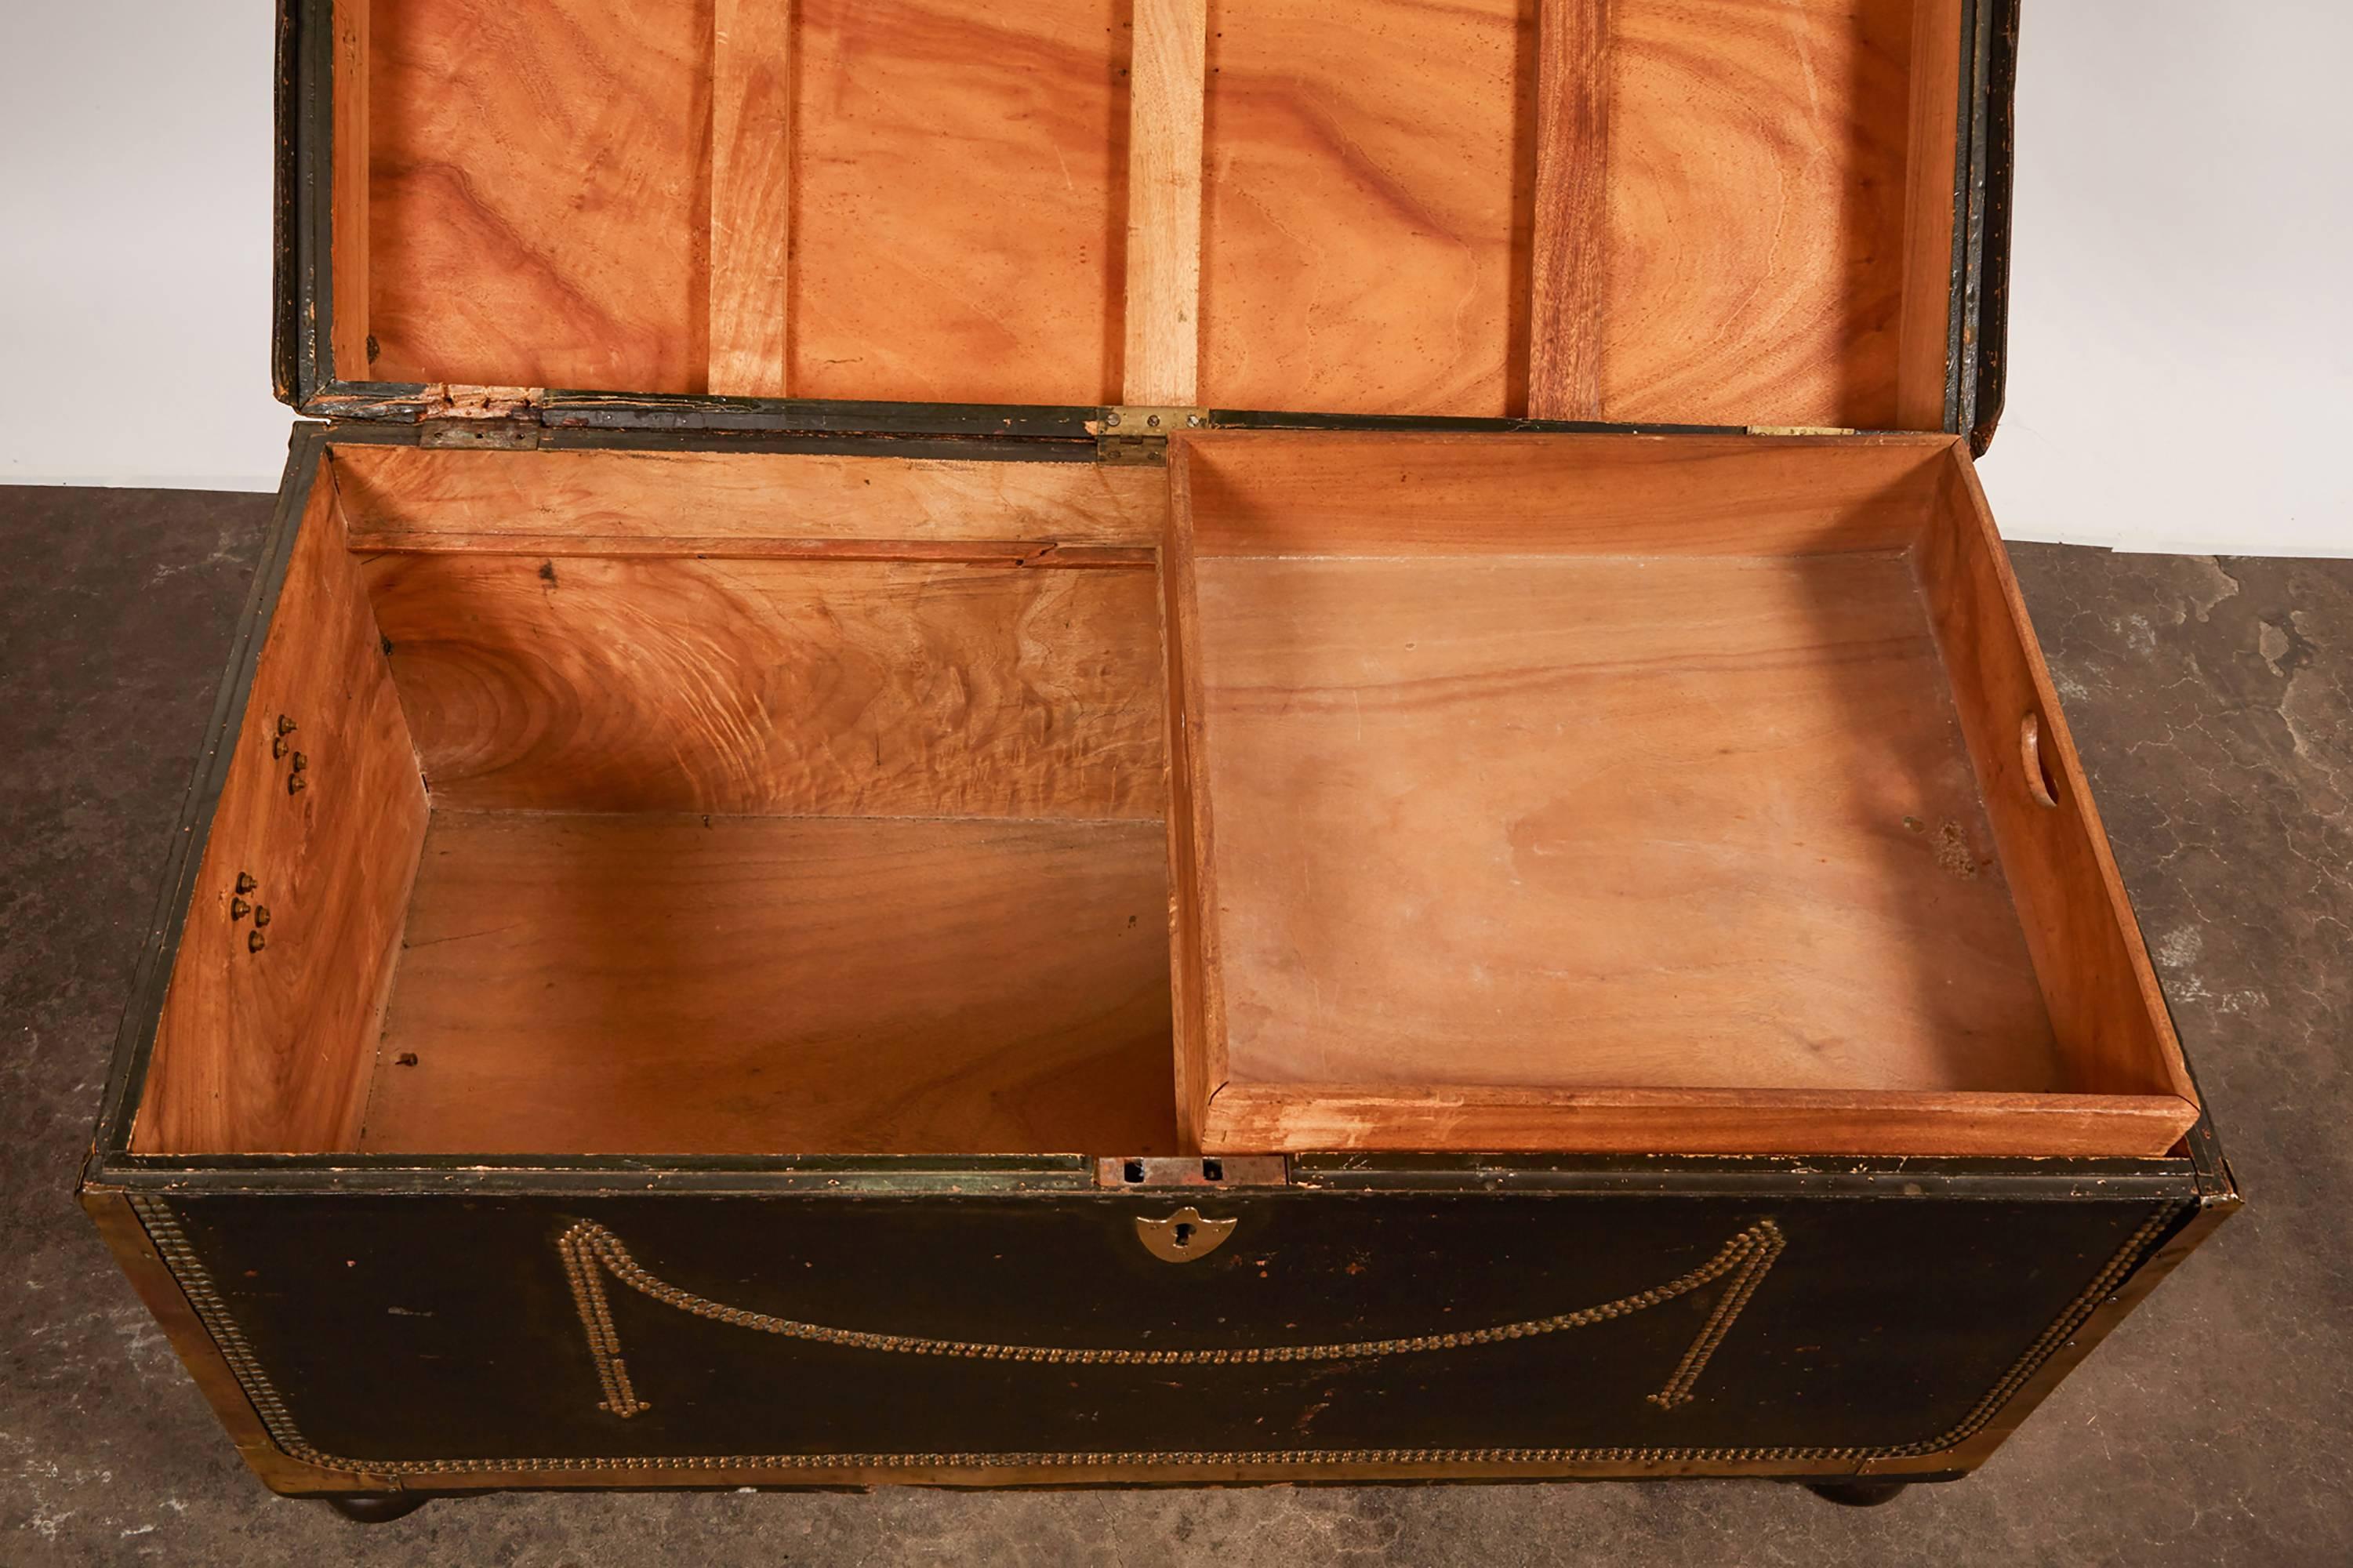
{"type": "Point", "coordinates": [2040, 781]}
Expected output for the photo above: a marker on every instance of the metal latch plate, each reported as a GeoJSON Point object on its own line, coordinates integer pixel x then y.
{"type": "Point", "coordinates": [1206, 1170]}
{"type": "Point", "coordinates": [481, 434]}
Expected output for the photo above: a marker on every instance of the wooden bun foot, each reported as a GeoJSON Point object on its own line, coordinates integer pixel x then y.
{"type": "Point", "coordinates": [1858, 1493]}
{"type": "Point", "coordinates": [376, 1508]}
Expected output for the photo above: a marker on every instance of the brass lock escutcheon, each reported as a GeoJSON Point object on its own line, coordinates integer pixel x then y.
{"type": "Point", "coordinates": [1184, 1236]}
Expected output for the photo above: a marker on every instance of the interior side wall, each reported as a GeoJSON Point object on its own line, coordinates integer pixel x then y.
{"type": "Point", "coordinates": [2095, 974]}
{"type": "Point", "coordinates": [1262, 493]}
{"type": "Point", "coordinates": [864, 688]}
{"type": "Point", "coordinates": [269, 1027]}
{"type": "Point", "coordinates": [400, 498]}
{"type": "Point", "coordinates": [1701, 211]}
{"type": "Point", "coordinates": [1196, 1003]}
{"type": "Point", "coordinates": [769, 634]}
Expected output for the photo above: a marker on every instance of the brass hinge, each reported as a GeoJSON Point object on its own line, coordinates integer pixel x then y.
{"type": "Point", "coordinates": [500, 418]}
{"type": "Point", "coordinates": [1800, 430]}
{"type": "Point", "coordinates": [1140, 435]}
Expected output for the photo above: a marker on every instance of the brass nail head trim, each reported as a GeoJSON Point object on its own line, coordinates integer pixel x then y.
{"type": "Point", "coordinates": [189, 1272]}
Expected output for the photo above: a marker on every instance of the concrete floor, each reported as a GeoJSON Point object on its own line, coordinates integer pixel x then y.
{"type": "Point", "coordinates": [2213, 700]}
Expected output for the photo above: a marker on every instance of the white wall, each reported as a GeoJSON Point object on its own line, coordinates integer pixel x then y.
{"type": "Point", "coordinates": [135, 166]}
{"type": "Point", "coordinates": [2181, 337]}
{"type": "Point", "coordinates": [2181, 309]}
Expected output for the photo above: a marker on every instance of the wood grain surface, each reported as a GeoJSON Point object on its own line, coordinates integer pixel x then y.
{"type": "Point", "coordinates": [1196, 968]}
{"type": "Point", "coordinates": [1680, 821]}
{"type": "Point", "coordinates": [1163, 300]}
{"type": "Point", "coordinates": [1701, 211]}
{"type": "Point", "coordinates": [1388, 493]}
{"type": "Point", "coordinates": [347, 175]}
{"type": "Point", "coordinates": [401, 497]}
{"type": "Point", "coordinates": [1757, 157]}
{"type": "Point", "coordinates": [1363, 244]}
{"type": "Point", "coordinates": [961, 200]}
{"type": "Point", "coordinates": [889, 689]}
{"type": "Point", "coordinates": [539, 193]}
{"type": "Point", "coordinates": [267, 1051]}
{"type": "Point", "coordinates": [1931, 148]}
{"type": "Point", "coordinates": [751, 191]}
{"type": "Point", "coordinates": [1567, 278]}
{"type": "Point", "coordinates": [2087, 947]}
{"type": "Point", "coordinates": [1248, 1117]}
{"type": "Point", "coordinates": [662, 985]}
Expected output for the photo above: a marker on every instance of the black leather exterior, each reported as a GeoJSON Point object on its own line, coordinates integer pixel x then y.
{"type": "Point", "coordinates": [404, 1330]}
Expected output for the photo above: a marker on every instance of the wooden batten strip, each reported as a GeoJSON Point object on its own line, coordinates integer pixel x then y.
{"type": "Point", "coordinates": [1565, 274]}
{"type": "Point", "coordinates": [751, 547]}
{"type": "Point", "coordinates": [347, 330]}
{"type": "Point", "coordinates": [1168, 83]}
{"type": "Point", "coordinates": [1252, 1117]}
{"type": "Point", "coordinates": [750, 196]}
{"type": "Point", "coordinates": [1924, 341]}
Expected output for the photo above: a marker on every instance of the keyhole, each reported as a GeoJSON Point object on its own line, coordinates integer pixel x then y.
{"type": "Point", "coordinates": [1184, 1233]}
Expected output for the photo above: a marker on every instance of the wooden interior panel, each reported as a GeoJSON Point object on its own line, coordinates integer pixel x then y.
{"type": "Point", "coordinates": [1932, 152]}
{"type": "Point", "coordinates": [663, 985]}
{"type": "Point", "coordinates": [266, 1051]}
{"type": "Point", "coordinates": [539, 193]}
{"type": "Point", "coordinates": [890, 689]}
{"type": "Point", "coordinates": [1388, 493]}
{"type": "Point", "coordinates": [1163, 300]}
{"type": "Point", "coordinates": [403, 499]}
{"type": "Point", "coordinates": [1333, 1117]}
{"type": "Point", "coordinates": [1364, 248]}
{"type": "Point", "coordinates": [1572, 210]}
{"type": "Point", "coordinates": [1757, 158]}
{"type": "Point", "coordinates": [1198, 966]}
{"type": "Point", "coordinates": [961, 204]}
{"type": "Point", "coordinates": [1701, 822]}
{"type": "Point", "coordinates": [2094, 969]}
{"type": "Point", "coordinates": [348, 183]}
{"type": "Point", "coordinates": [1696, 211]}
{"type": "Point", "coordinates": [751, 191]}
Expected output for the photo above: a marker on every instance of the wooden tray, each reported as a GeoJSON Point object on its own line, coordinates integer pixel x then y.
{"type": "Point", "coordinates": [1626, 793]}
